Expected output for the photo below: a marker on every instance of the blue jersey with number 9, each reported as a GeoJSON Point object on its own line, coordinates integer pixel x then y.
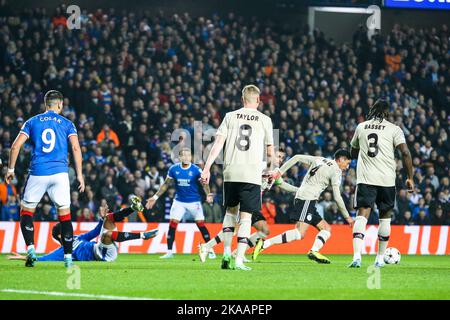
{"type": "Point", "coordinates": [49, 134]}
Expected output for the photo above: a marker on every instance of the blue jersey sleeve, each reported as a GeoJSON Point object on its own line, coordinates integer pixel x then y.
{"type": "Point", "coordinates": [88, 236]}
{"type": "Point", "coordinates": [170, 172]}
{"type": "Point", "coordinates": [26, 129]}
{"type": "Point", "coordinates": [198, 171]}
{"type": "Point", "coordinates": [71, 130]}
{"type": "Point", "coordinates": [57, 255]}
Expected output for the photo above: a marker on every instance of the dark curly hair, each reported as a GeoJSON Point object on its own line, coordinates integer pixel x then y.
{"type": "Point", "coordinates": [379, 110]}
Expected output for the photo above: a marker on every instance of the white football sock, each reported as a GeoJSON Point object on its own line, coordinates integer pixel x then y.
{"type": "Point", "coordinates": [285, 237]}
{"type": "Point", "coordinates": [214, 241]}
{"type": "Point", "coordinates": [384, 231]}
{"type": "Point", "coordinates": [229, 221]}
{"type": "Point", "coordinates": [359, 230]}
{"type": "Point", "coordinates": [321, 238]}
{"type": "Point", "coordinates": [245, 226]}
{"type": "Point", "coordinates": [255, 236]}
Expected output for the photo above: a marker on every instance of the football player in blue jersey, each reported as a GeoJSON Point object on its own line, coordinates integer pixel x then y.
{"type": "Point", "coordinates": [186, 176]}
{"type": "Point", "coordinates": [49, 134]}
{"type": "Point", "coordinates": [105, 249]}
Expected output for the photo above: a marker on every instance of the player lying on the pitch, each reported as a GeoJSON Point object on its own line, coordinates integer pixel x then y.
{"type": "Point", "coordinates": [258, 220]}
{"type": "Point", "coordinates": [103, 250]}
{"type": "Point", "coordinates": [321, 173]}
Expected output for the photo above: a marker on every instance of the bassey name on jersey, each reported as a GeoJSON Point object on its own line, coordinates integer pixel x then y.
{"type": "Point", "coordinates": [374, 126]}
{"type": "Point", "coordinates": [247, 117]}
{"type": "Point", "coordinates": [42, 119]}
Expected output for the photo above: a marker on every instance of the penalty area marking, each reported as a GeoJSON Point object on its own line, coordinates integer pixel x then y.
{"type": "Point", "coordinates": [77, 295]}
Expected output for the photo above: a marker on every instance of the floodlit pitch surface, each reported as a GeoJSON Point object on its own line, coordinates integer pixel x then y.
{"type": "Point", "coordinates": [280, 277]}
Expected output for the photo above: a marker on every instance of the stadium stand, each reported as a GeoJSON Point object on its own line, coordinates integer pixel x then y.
{"type": "Point", "coordinates": [130, 80]}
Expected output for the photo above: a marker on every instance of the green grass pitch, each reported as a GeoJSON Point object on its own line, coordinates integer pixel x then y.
{"type": "Point", "coordinates": [280, 277]}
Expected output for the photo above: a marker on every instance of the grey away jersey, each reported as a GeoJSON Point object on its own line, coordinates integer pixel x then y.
{"type": "Point", "coordinates": [322, 173]}
{"type": "Point", "coordinates": [247, 133]}
{"type": "Point", "coordinates": [376, 142]}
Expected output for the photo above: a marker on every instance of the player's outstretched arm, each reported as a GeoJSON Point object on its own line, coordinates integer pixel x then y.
{"type": "Point", "coordinates": [287, 187]}
{"type": "Point", "coordinates": [291, 162]}
{"type": "Point", "coordinates": [215, 150]}
{"type": "Point", "coordinates": [207, 190]}
{"type": "Point", "coordinates": [354, 144]}
{"type": "Point", "coordinates": [270, 157]}
{"type": "Point", "coordinates": [407, 164]}
{"type": "Point", "coordinates": [151, 202]}
{"type": "Point", "coordinates": [56, 255]}
{"type": "Point", "coordinates": [94, 233]}
{"type": "Point", "coordinates": [341, 205]}
{"type": "Point", "coordinates": [16, 256]}
{"type": "Point", "coordinates": [78, 158]}
{"type": "Point", "coordinates": [13, 154]}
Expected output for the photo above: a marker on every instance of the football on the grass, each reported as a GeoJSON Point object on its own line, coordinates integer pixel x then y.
{"type": "Point", "coordinates": [392, 256]}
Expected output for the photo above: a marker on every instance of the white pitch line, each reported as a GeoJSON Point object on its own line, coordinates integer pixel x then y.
{"type": "Point", "coordinates": [68, 294]}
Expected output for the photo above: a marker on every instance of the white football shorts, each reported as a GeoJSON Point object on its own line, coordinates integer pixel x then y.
{"type": "Point", "coordinates": [105, 252]}
{"type": "Point", "coordinates": [180, 208]}
{"type": "Point", "coordinates": [57, 186]}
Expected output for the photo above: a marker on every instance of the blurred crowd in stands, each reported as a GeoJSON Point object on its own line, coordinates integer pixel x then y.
{"type": "Point", "coordinates": [131, 80]}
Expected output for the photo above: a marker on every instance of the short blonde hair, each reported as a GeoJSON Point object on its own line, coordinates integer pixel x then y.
{"type": "Point", "coordinates": [184, 149]}
{"type": "Point", "coordinates": [250, 93]}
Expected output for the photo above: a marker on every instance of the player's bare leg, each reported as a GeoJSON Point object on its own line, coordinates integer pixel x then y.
{"type": "Point", "coordinates": [262, 232]}
{"type": "Point", "coordinates": [229, 222]}
{"type": "Point", "coordinates": [297, 233]}
{"type": "Point", "coordinates": [384, 231]}
{"type": "Point", "coordinates": [245, 225]}
{"type": "Point", "coordinates": [322, 237]}
{"type": "Point", "coordinates": [359, 230]}
{"type": "Point", "coordinates": [27, 227]}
